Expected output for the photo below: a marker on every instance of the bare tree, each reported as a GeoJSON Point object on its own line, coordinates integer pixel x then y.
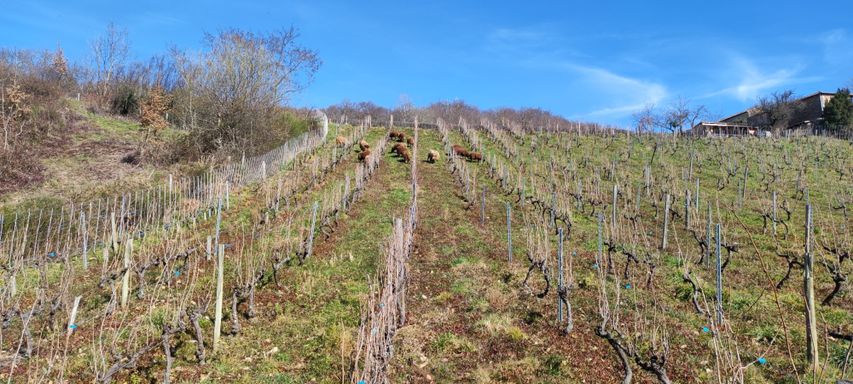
{"type": "Point", "coordinates": [233, 87]}
{"type": "Point", "coordinates": [777, 110]}
{"type": "Point", "coordinates": [644, 119]}
{"type": "Point", "coordinates": [680, 115]}
{"type": "Point", "coordinates": [697, 114]}
{"type": "Point", "coordinates": [405, 108]}
{"type": "Point", "coordinates": [109, 53]}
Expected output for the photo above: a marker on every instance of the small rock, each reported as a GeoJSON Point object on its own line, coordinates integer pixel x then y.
{"type": "Point", "coordinates": [272, 351]}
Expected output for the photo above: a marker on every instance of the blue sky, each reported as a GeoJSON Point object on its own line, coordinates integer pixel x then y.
{"type": "Point", "coordinates": [596, 61]}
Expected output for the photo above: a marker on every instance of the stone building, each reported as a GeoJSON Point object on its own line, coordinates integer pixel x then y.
{"type": "Point", "coordinates": [806, 118]}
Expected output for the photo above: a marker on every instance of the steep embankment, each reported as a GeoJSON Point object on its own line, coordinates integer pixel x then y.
{"type": "Point", "coordinates": [84, 159]}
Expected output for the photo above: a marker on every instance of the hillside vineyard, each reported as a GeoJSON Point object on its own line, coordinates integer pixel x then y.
{"type": "Point", "coordinates": [436, 252]}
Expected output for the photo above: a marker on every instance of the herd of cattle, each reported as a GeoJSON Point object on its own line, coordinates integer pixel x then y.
{"type": "Point", "coordinates": [401, 149]}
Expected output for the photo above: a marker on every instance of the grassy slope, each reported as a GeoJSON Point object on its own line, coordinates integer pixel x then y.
{"type": "Point", "coordinates": [748, 301]}
{"type": "Point", "coordinates": [303, 327]}
{"type": "Point", "coordinates": [89, 164]}
{"type": "Point", "coordinates": [470, 319]}
{"type": "Point", "coordinates": [245, 204]}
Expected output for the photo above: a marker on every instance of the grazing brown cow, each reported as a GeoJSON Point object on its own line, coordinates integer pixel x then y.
{"type": "Point", "coordinates": [410, 141]}
{"type": "Point", "coordinates": [364, 154]}
{"type": "Point", "coordinates": [364, 146]}
{"type": "Point", "coordinates": [460, 150]}
{"type": "Point", "coordinates": [341, 141]}
{"type": "Point", "coordinates": [404, 154]}
{"type": "Point", "coordinates": [396, 135]}
{"type": "Point", "coordinates": [398, 148]}
{"type": "Point", "coordinates": [475, 156]}
{"type": "Point", "coordinates": [433, 156]}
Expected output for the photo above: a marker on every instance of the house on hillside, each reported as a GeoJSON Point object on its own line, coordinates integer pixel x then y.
{"type": "Point", "coordinates": [806, 119]}
{"type": "Point", "coordinates": [722, 128]}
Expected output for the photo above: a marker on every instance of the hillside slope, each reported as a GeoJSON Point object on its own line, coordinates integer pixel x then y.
{"type": "Point", "coordinates": [85, 159]}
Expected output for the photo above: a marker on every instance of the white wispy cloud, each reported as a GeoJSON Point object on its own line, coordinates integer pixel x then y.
{"type": "Point", "coordinates": [837, 46]}
{"type": "Point", "coordinates": [751, 80]}
{"type": "Point", "coordinates": [622, 94]}
{"type": "Point", "coordinates": [518, 41]}
{"type": "Point", "coordinates": [57, 19]}
{"type": "Point", "coordinates": [537, 48]}
{"type": "Point", "coordinates": [514, 35]}
{"type": "Point", "coordinates": [633, 93]}
{"type": "Point", "coordinates": [155, 19]}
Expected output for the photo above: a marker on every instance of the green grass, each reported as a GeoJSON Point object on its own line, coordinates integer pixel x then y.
{"type": "Point", "coordinates": [450, 343]}
{"type": "Point", "coordinates": [87, 165]}
{"type": "Point", "coordinates": [747, 300]}
{"type": "Point", "coordinates": [323, 315]}
{"type": "Point", "coordinates": [469, 306]}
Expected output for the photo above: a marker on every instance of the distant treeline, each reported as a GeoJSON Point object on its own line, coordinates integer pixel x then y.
{"type": "Point", "coordinates": [523, 119]}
